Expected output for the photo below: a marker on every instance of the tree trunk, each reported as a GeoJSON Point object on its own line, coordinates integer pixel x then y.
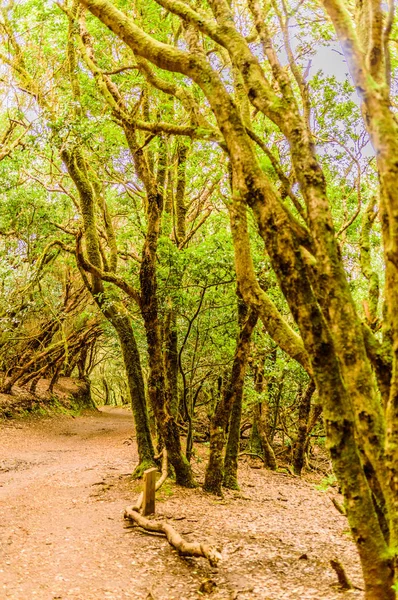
{"type": "Point", "coordinates": [55, 377]}
{"type": "Point", "coordinates": [261, 413]}
{"type": "Point", "coordinates": [300, 443]}
{"type": "Point", "coordinates": [261, 426]}
{"type": "Point", "coordinates": [219, 422]}
{"type": "Point", "coordinates": [255, 440]}
{"type": "Point", "coordinates": [157, 389]}
{"type": "Point", "coordinates": [171, 360]}
{"type": "Point", "coordinates": [106, 390]}
{"type": "Point", "coordinates": [232, 449]}
{"type": "Point", "coordinates": [135, 380]}
{"type": "Point", "coordinates": [114, 312]}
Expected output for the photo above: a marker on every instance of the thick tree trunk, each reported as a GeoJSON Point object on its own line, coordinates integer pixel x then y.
{"type": "Point", "coordinates": [255, 440]}
{"type": "Point", "coordinates": [157, 388]}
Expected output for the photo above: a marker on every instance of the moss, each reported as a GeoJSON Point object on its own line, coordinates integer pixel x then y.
{"type": "Point", "coordinates": [230, 481]}
{"type": "Point", "coordinates": [141, 467]}
{"type": "Point", "coordinates": [215, 471]}
{"type": "Point", "coordinates": [167, 490]}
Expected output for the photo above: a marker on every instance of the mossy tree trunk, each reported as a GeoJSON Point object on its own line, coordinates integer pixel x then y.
{"type": "Point", "coordinates": [170, 336]}
{"type": "Point", "coordinates": [219, 422]}
{"type": "Point", "coordinates": [261, 415]}
{"type": "Point", "coordinates": [303, 430]}
{"type": "Point", "coordinates": [132, 362]}
{"type": "Point", "coordinates": [230, 480]}
{"type": "Point", "coordinates": [255, 440]}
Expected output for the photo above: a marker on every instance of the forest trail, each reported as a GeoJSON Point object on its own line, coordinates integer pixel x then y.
{"type": "Point", "coordinates": [64, 485]}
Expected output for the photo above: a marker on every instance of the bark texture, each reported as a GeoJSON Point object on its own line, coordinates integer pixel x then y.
{"type": "Point", "coordinates": [301, 442]}
{"type": "Point", "coordinates": [218, 425]}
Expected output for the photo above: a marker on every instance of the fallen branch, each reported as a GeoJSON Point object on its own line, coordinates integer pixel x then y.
{"type": "Point", "coordinates": [173, 537]}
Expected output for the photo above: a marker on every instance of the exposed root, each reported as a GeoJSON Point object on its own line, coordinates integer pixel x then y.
{"type": "Point", "coordinates": [252, 454]}
{"type": "Point", "coordinates": [287, 468]}
{"type": "Point", "coordinates": [339, 506]}
{"type": "Point", "coordinates": [141, 467]}
{"type": "Point", "coordinates": [344, 582]}
{"type": "Point", "coordinates": [173, 537]}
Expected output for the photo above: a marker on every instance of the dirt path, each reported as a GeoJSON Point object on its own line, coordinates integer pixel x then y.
{"type": "Point", "coordinates": [64, 485]}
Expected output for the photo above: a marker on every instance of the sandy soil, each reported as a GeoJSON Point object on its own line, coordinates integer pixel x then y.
{"type": "Point", "coordinates": [64, 483]}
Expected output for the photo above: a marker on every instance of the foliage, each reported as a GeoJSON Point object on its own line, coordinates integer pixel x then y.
{"type": "Point", "coordinates": [126, 177]}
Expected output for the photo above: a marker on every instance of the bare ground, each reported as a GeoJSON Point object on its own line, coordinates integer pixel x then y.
{"type": "Point", "coordinates": [64, 484]}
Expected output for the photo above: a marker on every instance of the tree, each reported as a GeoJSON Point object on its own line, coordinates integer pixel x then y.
{"type": "Point", "coordinates": [153, 140]}
{"type": "Point", "coordinates": [303, 248]}
{"type": "Point", "coordinates": [231, 396]}
{"type": "Point", "coordinates": [73, 155]}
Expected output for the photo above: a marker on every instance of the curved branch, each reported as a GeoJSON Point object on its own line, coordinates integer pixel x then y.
{"type": "Point", "coordinates": [279, 330]}
{"type": "Point", "coordinates": [105, 275]}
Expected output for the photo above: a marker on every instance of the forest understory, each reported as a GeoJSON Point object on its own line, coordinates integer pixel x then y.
{"type": "Point", "coordinates": [65, 482]}
{"type": "Point", "coordinates": [68, 395]}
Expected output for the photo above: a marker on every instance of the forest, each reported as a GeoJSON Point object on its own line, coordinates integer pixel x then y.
{"type": "Point", "coordinates": [199, 299]}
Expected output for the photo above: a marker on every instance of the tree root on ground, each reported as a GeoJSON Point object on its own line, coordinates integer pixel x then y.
{"type": "Point", "coordinates": [344, 582]}
{"type": "Point", "coordinates": [339, 507]}
{"type": "Point", "coordinates": [173, 537]}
